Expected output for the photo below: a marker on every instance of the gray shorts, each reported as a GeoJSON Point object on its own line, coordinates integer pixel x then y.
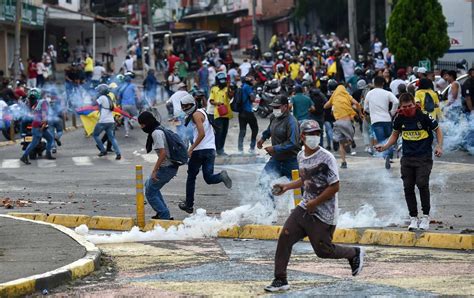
{"type": "Point", "coordinates": [343, 131]}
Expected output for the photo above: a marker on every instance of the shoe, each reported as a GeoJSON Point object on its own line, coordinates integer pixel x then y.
{"type": "Point", "coordinates": [278, 285]}
{"type": "Point", "coordinates": [58, 141]}
{"type": "Point", "coordinates": [49, 156]}
{"type": "Point", "coordinates": [413, 224]}
{"type": "Point", "coordinates": [344, 165]}
{"type": "Point", "coordinates": [252, 151]}
{"type": "Point", "coordinates": [424, 223]}
{"type": "Point", "coordinates": [387, 162]}
{"type": "Point", "coordinates": [357, 262]}
{"type": "Point", "coordinates": [102, 154]}
{"type": "Point", "coordinates": [328, 148]}
{"type": "Point", "coordinates": [54, 150]}
{"type": "Point", "coordinates": [226, 179]}
{"type": "Point", "coordinates": [222, 154]}
{"type": "Point", "coordinates": [158, 217]}
{"type": "Point", "coordinates": [241, 152]}
{"type": "Point", "coordinates": [126, 135]}
{"type": "Point", "coordinates": [185, 207]}
{"type": "Point", "coordinates": [110, 150]}
{"type": "Point", "coordinates": [25, 160]}
{"type": "Point", "coordinates": [118, 157]}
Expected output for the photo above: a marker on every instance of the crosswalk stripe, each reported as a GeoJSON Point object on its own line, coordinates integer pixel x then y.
{"type": "Point", "coordinates": [10, 163]}
{"type": "Point", "coordinates": [44, 163]}
{"type": "Point", "coordinates": [82, 161]}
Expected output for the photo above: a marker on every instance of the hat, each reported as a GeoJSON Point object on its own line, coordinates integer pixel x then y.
{"type": "Point", "coordinates": [422, 70]}
{"type": "Point", "coordinates": [205, 62]}
{"type": "Point", "coordinates": [279, 100]}
{"type": "Point", "coordinates": [181, 85]}
{"type": "Point", "coordinates": [401, 72]}
{"type": "Point", "coordinates": [309, 126]}
{"type": "Point", "coordinates": [187, 99]}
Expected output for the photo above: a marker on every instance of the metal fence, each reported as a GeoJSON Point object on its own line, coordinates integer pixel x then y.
{"type": "Point", "coordinates": [450, 65]}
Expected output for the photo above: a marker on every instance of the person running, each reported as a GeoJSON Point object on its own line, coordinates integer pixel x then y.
{"type": "Point", "coordinates": [39, 130]}
{"type": "Point", "coordinates": [202, 152]}
{"type": "Point", "coordinates": [163, 171]}
{"type": "Point", "coordinates": [106, 121]}
{"type": "Point", "coordinates": [247, 116]}
{"type": "Point", "coordinates": [316, 215]}
{"type": "Point", "coordinates": [129, 95]}
{"type": "Point", "coordinates": [342, 107]}
{"type": "Point", "coordinates": [428, 99]}
{"type": "Point", "coordinates": [301, 105]}
{"type": "Point", "coordinates": [283, 131]}
{"type": "Point", "coordinates": [376, 103]}
{"type": "Point", "coordinates": [416, 129]}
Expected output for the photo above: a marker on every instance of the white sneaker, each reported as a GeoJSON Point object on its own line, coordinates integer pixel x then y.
{"type": "Point", "coordinates": [413, 224]}
{"type": "Point", "coordinates": [425, 223]}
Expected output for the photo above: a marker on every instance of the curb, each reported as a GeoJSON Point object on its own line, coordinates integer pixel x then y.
{"type": "Point", "coordinates": [51, 279]}
{"type": "Point", "coordinates": [8, 143]}
{"type": "Point", "coordinates": [263, 232]}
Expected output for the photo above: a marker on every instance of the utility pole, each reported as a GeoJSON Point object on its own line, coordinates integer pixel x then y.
{"type": "Point", "coordinates": [352, 26]}
{"type": "Point", "coordinates": [388, 11]}
{"type": "Point", "coordinates": [372, 21]}
{"type": "Point", "coordinates": [254, 17]}
{"type": "Point", "coordinates": [140, 34]}
{"type": "Point", "coordinates": [16, 58]}
{"type": "Point", "coordinates": [151, 46]}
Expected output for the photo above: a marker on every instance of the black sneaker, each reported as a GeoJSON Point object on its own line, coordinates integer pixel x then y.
{"type": "Point", "coordinates": [102, 154]}
{"type": "Point", "coordinates": [58, 142]}
{"type": "Point", "coordinates": [25, 160]}
{"type": "Point", "coordinates": [387, 162]}
{"type": "Point", "coordinates": [226, 179]}
{"type": "Point", "coordinates": [278, 285]}
{"type": "Point", "coordinates": [344, 165]}
{"type": "Point", "coordinates": [158, 217]}
{"type": "Point", "coordinates": [357, 262]}
{"type": "Point", "coordinates": [49, 156]}
{"type": "Point", "coordinates": [185, 207]}
{"type": "Point", "coordinates": [118, 157]}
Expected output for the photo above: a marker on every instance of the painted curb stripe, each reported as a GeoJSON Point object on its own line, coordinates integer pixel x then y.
{"type": "Point", "coordinates": [262, 232]}
{"type": "Point", "coordinates": [51, 279]}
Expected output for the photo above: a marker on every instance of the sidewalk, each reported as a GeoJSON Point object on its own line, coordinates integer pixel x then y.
{"type": "Point", "coordinates": [28, 248]}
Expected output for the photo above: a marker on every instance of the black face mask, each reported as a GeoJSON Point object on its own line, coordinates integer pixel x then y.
{"type": "Point", "coordinates": [148, 129]}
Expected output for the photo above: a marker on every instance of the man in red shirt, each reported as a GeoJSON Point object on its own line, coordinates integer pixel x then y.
{"type": "Point", "coordinates": [39, 108]}
{"type": "Point", "coordinates": [32, 73]}
{"type": "Point", "coordinates": [172, 59]}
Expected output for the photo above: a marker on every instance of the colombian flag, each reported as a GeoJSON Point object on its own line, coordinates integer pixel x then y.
{"type": "Point", "coordinates": [90, 115]}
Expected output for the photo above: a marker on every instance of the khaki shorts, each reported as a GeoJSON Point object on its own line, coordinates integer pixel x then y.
{"type": "Point", "coordinates": [343, 131]}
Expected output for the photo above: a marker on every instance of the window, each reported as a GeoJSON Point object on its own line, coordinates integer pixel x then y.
{"type": "Point", "coordinates": [69, 1]}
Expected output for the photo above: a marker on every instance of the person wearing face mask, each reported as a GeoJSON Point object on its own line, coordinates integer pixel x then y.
{"type": "Point", "coordinates": [416, 129]}
{"type": "Point", "coordinates": [283, 131]}
{"type": "Point", "coordinates": [316, 215]}
{"type": "Point", "coordinates": [163, 171]}
{"type": "Point", "coordinates": [222, 112]}
{"type": "Point", "coordinates": [202, 152]}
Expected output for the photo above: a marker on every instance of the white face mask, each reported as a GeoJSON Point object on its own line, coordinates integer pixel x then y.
{"type": "Point", "coordinates": [312, 142]}
{"type": "Point", "coordinates": [277, 112]}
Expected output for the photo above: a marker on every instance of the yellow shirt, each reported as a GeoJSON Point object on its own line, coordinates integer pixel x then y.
{"type": "Point", "coordinates": [420, 98]}
{"type": "Point", "coordinates": [89, 65]}
{"type": "Point", "coordinates": [280, 75]}
{"type": "Point", "coordinates": [294, 69]}
{"type": "Point", "coordinates": [220, 96]}
{"type": "Point", "coordinates": [341, 102]}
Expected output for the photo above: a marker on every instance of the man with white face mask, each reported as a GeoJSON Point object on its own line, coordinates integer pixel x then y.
{"type": "Point", "coordinates": [316, 215]}
{"type": "Point", "coordinates": [283, 131]}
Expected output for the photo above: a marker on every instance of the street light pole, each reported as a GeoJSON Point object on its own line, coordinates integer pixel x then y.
{"type": "Point", "coordinates": [352, 26]}
{"type": "Point", "coordinates": [151, 46]}
{"type": "Point", "coordinates": [16, 59]}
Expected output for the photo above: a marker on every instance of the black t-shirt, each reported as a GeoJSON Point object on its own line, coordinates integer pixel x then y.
{"type": "Point", "coordinates": [417, 134]}
{"type": "Point", "coordinates": [468, 90]}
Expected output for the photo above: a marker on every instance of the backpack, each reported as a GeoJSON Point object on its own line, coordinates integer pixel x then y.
{"type": "Point", "coordinates": [318, 100]}
{"type": "Point", "coordinates": [177, 149]}
{"type": "Point", "coordinates": [429, 103]}
{"type": "Point", "coordinates": [237, 104]}
{"type": "Point", "coordinates": [111, 103]}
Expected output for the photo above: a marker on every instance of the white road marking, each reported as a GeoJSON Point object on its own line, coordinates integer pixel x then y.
{"type": "Point", "coordinates": [45, 163]}
{"type": "Point", "coordinates": [82, 161]}
{"type": "Point", "coordinates": [10, 164]}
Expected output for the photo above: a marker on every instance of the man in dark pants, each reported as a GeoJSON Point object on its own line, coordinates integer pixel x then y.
{"type": "Point", "coordinates": [284, 134]}
{"type": "Point", "coordinates": [416, 129]}
{"type": "Point", "coordinates": [246, 116]}
{"type": "Point", "coordinates": [202, 152]}
{"type": "Point", "coordinates": [316, 215]}
{"type": "Point", "coordinates": [219, 97]}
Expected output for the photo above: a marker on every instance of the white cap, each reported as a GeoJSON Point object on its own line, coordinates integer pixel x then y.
{"type": "Point", "coordinates": [205, 62]}
{"type": "Point", "coordinates": [422, 70]}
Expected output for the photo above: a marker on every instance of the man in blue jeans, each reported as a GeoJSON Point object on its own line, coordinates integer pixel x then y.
{"type": "Point", "coordinates": [39, 130]}
{"type": "Point", "coordinates": [106, 121]}
{"type": "Point", "coordinates": [202, 152]}
{"type": "Point", "coordinates": [284, 133]}
{"type": "Point", "coordinates": [163, 171]}
{"type": "Point", "coordinates": [382, 106]}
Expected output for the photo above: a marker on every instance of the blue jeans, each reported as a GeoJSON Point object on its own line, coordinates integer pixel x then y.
{"type": "Point", "coordinates": [382, 131]}
{"type": "Point", "coordinates": [275, 169]}
{"type": "Point", "coordinates": [153, 193]}
{"type": "Point", "coordinates": [205, 159]}
{"type": "Point", "coordinates": [329, 132]}
{"type": "Point", "coordinates": [109, 130]}
{"type": "Point", "coordinates": [38, 134]}
{"type": "Point", "coordinates": [56, 128]}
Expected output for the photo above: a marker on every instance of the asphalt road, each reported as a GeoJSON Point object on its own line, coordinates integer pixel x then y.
{"type": "Point", "coordinates": [79, 182]}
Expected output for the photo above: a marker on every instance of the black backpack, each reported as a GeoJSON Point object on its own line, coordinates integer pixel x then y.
{"type": "Point", "coordinates": [429, 103]}
{"type": "Point", "coordinates": [178, 150]}
{"type": "Point", "coordinates": [318, 99]}
{"type": "Point", "coordinates": [237, 104]}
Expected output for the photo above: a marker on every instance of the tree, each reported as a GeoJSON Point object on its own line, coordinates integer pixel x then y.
{"type": "Point", "coordinates": [417, 30]}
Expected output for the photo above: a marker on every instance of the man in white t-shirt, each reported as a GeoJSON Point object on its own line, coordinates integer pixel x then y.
{"type": "Point", "coordinates": [163, 171]}
{"type": "Point", "coordinates": [244, 68]}
{"type": "Point", "coordinates": [377, 102]}
{"type": "Point", "coordinates": [401, 79]}
{"type": "Point", "coordinates": [377, 46]}
{"type": "Point", "coordinates": [184, 132]}
{"type": "Point", "coordinates": [106, 121]}
{"type": "Point", "coordinates": [98, 72]}
{"type": "Point", "coordinates": [128, 64]}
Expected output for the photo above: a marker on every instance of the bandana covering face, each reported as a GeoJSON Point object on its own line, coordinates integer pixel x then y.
{"type": "Point", "coordinates": [150, 125]}
{"type": "Point", "coordinates": [408, 112]}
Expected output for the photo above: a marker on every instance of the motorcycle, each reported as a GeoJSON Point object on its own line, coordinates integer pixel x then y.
{"type": "Point", "coordinates": [265, 97]}
{"type": "Point", "coordinates": [27, 138]}
{"type": "Point", "coordinates": [11, 117]}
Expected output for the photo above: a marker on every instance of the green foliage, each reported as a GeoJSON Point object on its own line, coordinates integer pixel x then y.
{"type": "Point", "coordinates": [417, 30]}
